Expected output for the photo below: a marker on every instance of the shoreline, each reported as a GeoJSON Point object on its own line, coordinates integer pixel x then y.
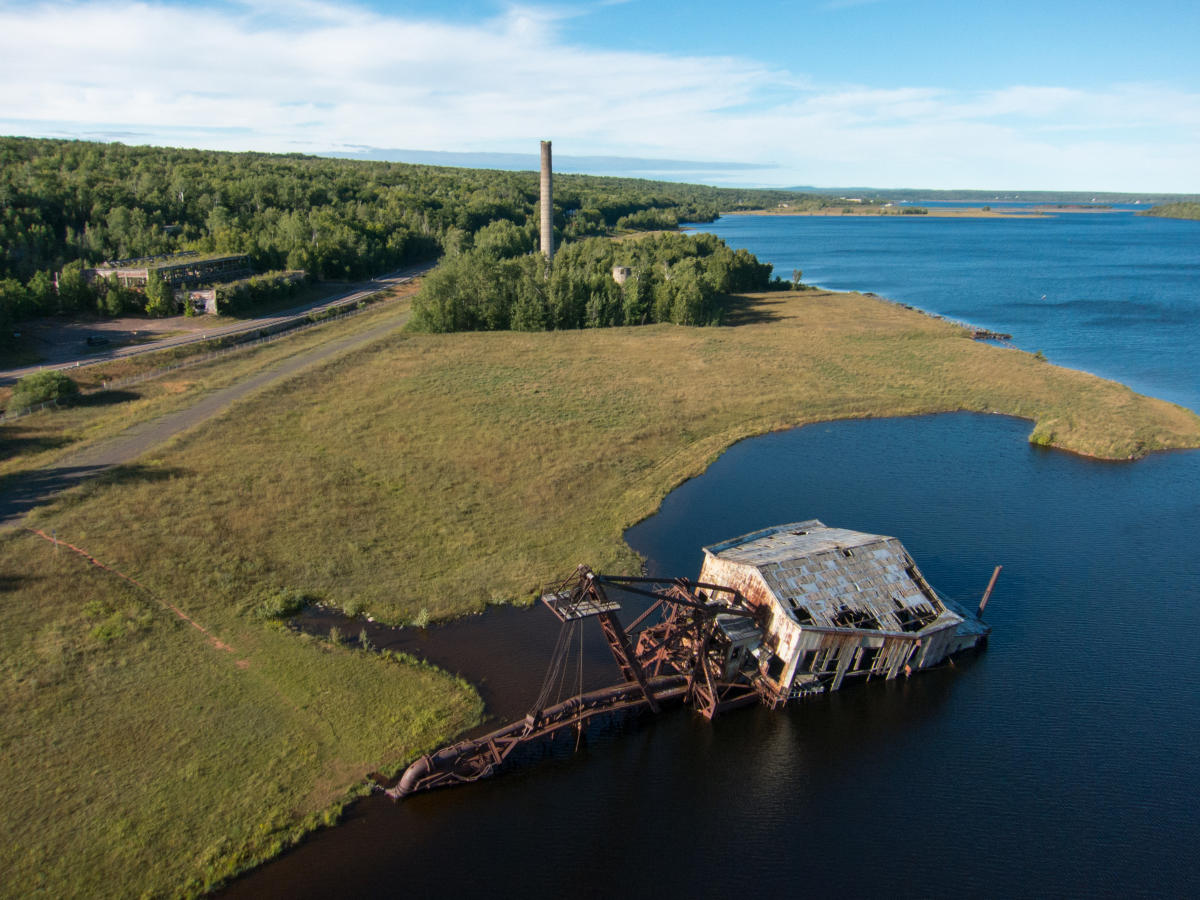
{"type": "Point", "coordinates": [343, 808]}
{"type": "Point", "coordinates": [787, 359]}
{"type": "Point", "coordinates": [931, 212]}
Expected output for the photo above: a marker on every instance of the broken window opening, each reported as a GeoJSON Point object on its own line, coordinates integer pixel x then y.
{"type": "Point", "coordinates": [866, 659]}
{"type": "Point", "coordinates": [774, 668]}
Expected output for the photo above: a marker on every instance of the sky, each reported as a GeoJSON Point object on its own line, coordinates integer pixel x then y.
{"type": "Point", "coordinates": [1014, 95]}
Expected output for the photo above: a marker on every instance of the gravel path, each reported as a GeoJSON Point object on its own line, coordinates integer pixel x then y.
{"type": "Point", "coordinates": [35, 488]}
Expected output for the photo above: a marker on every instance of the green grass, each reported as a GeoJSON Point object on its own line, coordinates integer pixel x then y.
{"type": "Point", "coordinates": [420, 475]}
{"type": "Point", "coordinates": [141, 757]}
{"type": "Point", "coordinates": [37, 440]}
{"type": "Point", "coordinates": [446, 472]}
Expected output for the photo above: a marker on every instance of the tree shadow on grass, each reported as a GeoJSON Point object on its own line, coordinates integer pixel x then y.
{"type": "Point", "coordinates": [18, 444]}
{"type": "Point", "coordinates": [752, 311]}
{"type": "Point", "coordinates": [23, 491]}
{"type": "Point", "coordinates": [107, 398]}
{"type": "Point", "coordinates": [10, 582]}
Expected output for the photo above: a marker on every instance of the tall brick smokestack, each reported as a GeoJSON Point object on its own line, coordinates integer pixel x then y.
{"type": "Point", "coordinates": [547, 203]}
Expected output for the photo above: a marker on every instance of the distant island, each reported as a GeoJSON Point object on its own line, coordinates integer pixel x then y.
{"type": "Point", "coordinates": [1182, 210]}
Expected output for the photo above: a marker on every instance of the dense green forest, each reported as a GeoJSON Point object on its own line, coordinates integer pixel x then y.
{"type": "Point", "coordinates": [673, 278]}
{"type": "Point", "coordinates": [69, 204]}
{"type": "Point", "coordinates": [1175, 211]}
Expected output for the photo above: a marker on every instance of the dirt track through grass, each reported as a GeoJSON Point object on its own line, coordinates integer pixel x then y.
{"type": "Point", "coordinates": [135, 441]}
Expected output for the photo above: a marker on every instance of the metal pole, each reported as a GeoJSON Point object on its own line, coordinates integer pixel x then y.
{"type": "Point", "coordinates": [988, 593]}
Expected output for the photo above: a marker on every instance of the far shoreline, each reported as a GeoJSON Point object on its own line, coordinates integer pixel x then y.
{"type": "Point", "coordinates": [934, 212]}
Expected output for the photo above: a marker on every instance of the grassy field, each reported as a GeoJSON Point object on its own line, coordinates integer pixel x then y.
{"type": "Point", "coordinates": [422, 476]}
{"type": "Point", "coordinates": [37, 440]}
{"type": "Point", "coordinates": [142, 754]}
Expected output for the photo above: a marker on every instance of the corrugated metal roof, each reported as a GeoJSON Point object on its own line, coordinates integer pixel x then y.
{"type": "Point", "coordinates": [836, 578]}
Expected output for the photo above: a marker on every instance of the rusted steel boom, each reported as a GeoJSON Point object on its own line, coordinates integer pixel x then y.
{"type": "Point", "coordinates": [472, 760]}
{"type": "Point", "coordinates": [676, 659]}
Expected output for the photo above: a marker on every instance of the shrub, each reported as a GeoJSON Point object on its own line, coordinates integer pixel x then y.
{"type": "Point", "coordinates": [279, 603]}
{"type": "Point", "coordinates": [42, 387]}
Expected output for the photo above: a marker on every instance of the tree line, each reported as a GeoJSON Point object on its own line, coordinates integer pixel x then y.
{"type": "Point", "coordinates": [67, 205]}
{"type": "Point", "coordinates": [1181, 210]}
{"type": "Point", "coordinates": [670, 277]}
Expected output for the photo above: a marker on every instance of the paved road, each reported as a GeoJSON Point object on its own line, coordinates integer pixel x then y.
{"type": "Point", "coordinates": [37, 487]}
{"type": "Point", "coordinates": [352, 295]}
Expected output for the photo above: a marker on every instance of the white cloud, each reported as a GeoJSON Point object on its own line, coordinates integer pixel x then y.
{"type": "Point", "coordinates": [268, 75]}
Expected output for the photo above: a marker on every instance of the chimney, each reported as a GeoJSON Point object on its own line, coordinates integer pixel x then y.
{"type": "Point", "coordinates": [547, 203]}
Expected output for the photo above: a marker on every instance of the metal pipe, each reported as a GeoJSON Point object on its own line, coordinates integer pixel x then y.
{"type": "Point", "coordinates": [988, 593]}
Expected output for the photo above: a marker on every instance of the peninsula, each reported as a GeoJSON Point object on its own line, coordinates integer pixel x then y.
{"type": "Point", "coordinates": [166, 730]}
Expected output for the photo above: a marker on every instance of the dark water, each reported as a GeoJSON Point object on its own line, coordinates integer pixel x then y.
{"type": "Point", "coordinates": [1063, 761]}
{"type": "Point", "coordinates": [1115, 293]}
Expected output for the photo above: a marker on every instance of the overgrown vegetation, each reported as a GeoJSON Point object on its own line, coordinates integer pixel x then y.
{"type": "Point", "coordinates": [683, 279]}
{"type": "Point", "coordinates": [42, 387]}
{"type": "Point", "coordinates": [240, 296]}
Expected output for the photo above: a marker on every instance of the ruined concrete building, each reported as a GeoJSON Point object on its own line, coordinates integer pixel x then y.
{"type": "Point", "coordinates": [185, 269]}
{"type": "Point", "coordinates": [833, 604]}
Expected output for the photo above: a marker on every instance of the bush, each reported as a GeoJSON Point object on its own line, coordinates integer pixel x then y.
{"type": "Point", "coordinates": [279, 603]}
{"type": "Point", "coordinates": [42, 387]}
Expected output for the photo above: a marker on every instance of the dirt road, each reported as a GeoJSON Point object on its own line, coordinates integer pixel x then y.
{"type": "Point", "coordinates": [34, 488]}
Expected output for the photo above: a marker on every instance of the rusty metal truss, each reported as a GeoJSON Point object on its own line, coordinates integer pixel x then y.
{"type": "Point", "coordinates": [679, 655]}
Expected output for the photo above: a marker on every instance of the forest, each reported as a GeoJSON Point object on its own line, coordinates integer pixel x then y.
{"type": "Point", "coordinates": [67, 205]}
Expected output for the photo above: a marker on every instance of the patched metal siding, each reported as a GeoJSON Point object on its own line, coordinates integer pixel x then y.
{"type": "Point", "coordinates": [839, 603]}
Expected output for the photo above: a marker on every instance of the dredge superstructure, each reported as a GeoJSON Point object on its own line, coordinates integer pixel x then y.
{"type": "Point", "coordinates": [777, 614]}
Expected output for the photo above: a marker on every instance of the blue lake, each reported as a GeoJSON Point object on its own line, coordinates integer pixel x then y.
{"type": "Point", "coordinates": [1063, 761]}
{"type": "Point", "coordinates": [1114, 293]}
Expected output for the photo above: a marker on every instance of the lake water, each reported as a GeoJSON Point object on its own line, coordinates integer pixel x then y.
{"type": "Point", "coordinates": [1113, 293]}
{"type": "Point", "coordinates": [1063, 761]}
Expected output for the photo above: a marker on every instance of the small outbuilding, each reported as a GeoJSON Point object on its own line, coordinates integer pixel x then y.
{"type": "Point", "coordinates": [834, 604]}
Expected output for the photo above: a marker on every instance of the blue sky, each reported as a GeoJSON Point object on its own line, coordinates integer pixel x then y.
{"type": "Point", "coordinates": [887, 93]}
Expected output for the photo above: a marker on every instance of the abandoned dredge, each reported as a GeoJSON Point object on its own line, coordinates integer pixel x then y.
{"type": "Point", "coordinates": [775, 615]}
